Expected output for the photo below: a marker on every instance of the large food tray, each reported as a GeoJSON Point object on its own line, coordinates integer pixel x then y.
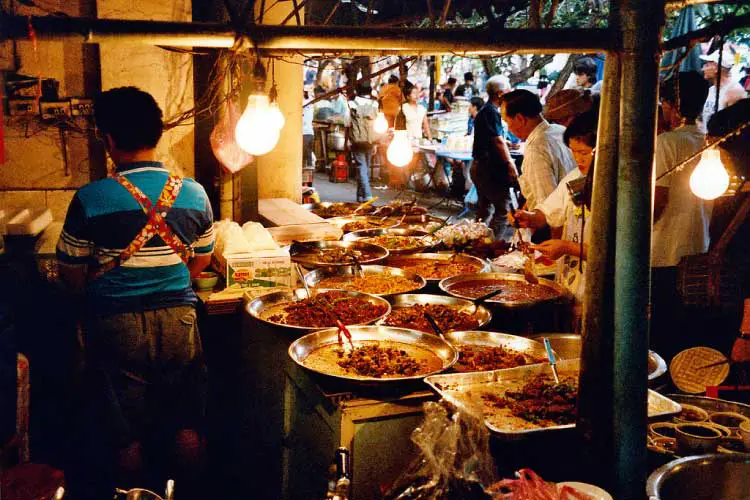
{"type": "Point", "coordinates": [465, 389]}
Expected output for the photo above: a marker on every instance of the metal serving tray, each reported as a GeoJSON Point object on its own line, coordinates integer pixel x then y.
{"type": "Point", "coordinates": [482, 314]}
{"type": "Point", "coordinates": [427, 240]}
{"type": "Point", "coordinates": [314, 277]}
{"type": "Point", "coordinates": [306, 255]}
{"type": "Point", "coordinates": [349, 205]}
{"type": "Point", "coordinates": [465, 389]}
{"type": "Point", "coordinates": [482, 265]}
{"type": "Point", "coordinates": [560, 293]}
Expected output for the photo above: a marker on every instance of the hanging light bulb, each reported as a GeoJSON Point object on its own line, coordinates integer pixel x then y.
{"type": "Point", "coordinates": [710, 179]}
{"type": "Point", "coordinates": [254, 132]}
{"type": "Point", "coordinates": [381, 124]}
{"type": "Point", "coordinates": [399, 151]}
{"type": "Point", "coordinates": [277, 117]}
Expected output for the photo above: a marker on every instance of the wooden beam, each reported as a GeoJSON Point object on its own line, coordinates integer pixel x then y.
{"type": "Point", "coordinates": [313, 39]}
{"type": "Point", "coordinates": [672, 5]}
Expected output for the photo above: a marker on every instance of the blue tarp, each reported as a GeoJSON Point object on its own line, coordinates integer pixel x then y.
{"type": "Point", "coordinates": [686, 22]}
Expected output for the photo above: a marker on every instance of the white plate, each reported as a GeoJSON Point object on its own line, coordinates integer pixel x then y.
{"type": "Point", "coordinates": [594, 491]}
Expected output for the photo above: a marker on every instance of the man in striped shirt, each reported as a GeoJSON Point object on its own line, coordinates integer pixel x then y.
{"type": "Point", "coordinates": [130, 245]}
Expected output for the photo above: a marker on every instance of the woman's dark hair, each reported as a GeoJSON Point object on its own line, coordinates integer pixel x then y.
{"type": "Point", "coordinates": [586, 66]}
{"type": "Point", "coordinates": [477, 102]}
{"type": "Point", "coordinates": [692, 89]}
{"type": "Point", "coordinates": [521, 101]}
{"type": "Point", "coordinates": [131, 116]}
{"type": "Point", "coordinates": [407, 88]}
{"type": "Point", "coordinates": [583, 127]}
{"type": "Point", "coordinates": [469, 76]}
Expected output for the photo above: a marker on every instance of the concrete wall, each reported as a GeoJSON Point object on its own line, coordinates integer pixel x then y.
{"type": "Point", "coordinates": [34, 173]}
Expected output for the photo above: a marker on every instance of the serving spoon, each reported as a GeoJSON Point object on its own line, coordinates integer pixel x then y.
{"type": "Point", "coordinates": [438, 330]}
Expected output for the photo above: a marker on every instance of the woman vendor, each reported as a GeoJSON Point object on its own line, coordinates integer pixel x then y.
{"type": "Point", "coordinates": [568, 208]}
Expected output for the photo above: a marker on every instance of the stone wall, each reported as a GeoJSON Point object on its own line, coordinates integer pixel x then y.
{"type": "Point", "coordinates": [35, 173]}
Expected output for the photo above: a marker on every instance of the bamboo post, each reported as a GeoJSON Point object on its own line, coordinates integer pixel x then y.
{"type": "Point", "coordinates": [641, 24]}
{"type": "Point", "coordinates": [596, 377]}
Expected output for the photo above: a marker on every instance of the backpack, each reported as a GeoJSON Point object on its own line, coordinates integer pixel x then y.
{"type": "Point", "coordinates": [362, 131]}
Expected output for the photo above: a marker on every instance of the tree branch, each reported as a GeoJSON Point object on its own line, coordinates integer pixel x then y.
{"type": "Point", "coordinates": [551, 13]}
{"type": "Point", "coordinates": [330, 15]}
{"type": "Point", "coordinates": [535, 14]}
{"type": "Point", "coordinates": [444, 15]}
{"type": "Point", "coordinates": [564, 74]}
{"type": "Point", "coordinates": [295, 12]}
{"type": "Point", "coordinates": [537, 63]}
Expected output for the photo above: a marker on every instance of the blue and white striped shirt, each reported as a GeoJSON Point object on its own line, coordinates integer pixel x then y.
{"type": "Point", "coordinates": [103, 218]}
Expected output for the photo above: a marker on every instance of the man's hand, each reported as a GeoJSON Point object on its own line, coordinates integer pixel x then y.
{"type": "Point", "coordinates": [554, 249]}
{"type": "Point", "coordinates": [523, 218]}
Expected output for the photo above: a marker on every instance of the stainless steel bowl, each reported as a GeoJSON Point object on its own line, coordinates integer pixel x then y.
{"type": "Point", "coordinates": [482, 265]}
{"type": "Point", "coordinates": [482, 314]}
{"type": "Point", "coordinates": [314, 277]}
{"type": "Point", "coordinates": [261, 307]}
{"type": "Point", "coordinates": [702, 477]}
{"type": "Point", "coordinates": [302, 347]}
{"type": "Point", "coordinates": [447, 284]}
{"type": "Point", "coordinates": [309, 259]}
{"type": "Point", "coordinates": [568, 346]}
{"type": "Point", "coordinates": [427, 240]}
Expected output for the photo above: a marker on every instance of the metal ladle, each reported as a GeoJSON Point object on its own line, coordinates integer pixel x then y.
{"type": "Point", "coordinates": [438, 330]}
{"type": "Point", "coordinates": [301, 276]}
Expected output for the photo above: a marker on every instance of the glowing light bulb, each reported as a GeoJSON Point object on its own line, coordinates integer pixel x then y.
{"type": "Point", "coordinates": [399, 151]}
{"type": "Point", "coordinates": [381, 124]}
{"type": "Point", "coordinates": [277, 116]}
{"type": "Point", "coordinates": [710, 179]}
{"type": "Point", "coordinates": [253, 133]}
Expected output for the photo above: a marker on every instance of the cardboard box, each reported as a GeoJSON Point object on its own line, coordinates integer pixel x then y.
{"type": "Point", "coordinates": [264, 268]}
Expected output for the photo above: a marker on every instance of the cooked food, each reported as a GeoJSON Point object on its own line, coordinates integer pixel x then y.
{"type": "Point", "coordinates": [397, 242]}
{"type": "Point", "coordinates": [448, 318]}
{"type": "Point", "coordinates": [400, 208]}
{"type": "Point", "coordinates": [337, 255]}
{"type": "Point", "coordinates": [479, 358]}
{"type": "Point", "coordinates": [374, 361]}
{"type": "Point", "coordinates": [322, 310]}
{"type": "Point", "coordinates": [512, 290]}
{"type": "Point", "coordinates": [358, 225]}
{"type": "Point", "coordinates": [540, 401]}
{"type": "Point", "coordinates": [377, 284]}
{"type": "Point", "coordinates": [438, 268]}
{"type": "Point", "coordinates": [340, 210]}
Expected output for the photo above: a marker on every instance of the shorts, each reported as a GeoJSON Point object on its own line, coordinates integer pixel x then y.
{"type": "Point", "coordinates": [150, 369]}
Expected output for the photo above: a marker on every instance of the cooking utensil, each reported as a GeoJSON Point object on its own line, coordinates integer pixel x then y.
{"type": "Point", "coordinates": [301, 277]}
{"type": "Point", "coordinates": [481, 300]}
{"type": "Point", "coordinates": [708, 477]}
{"type": "Point", "coordinates": [313, 278]}
{"type": "Point", "coordinates": [482, 314]}
{"type": "Point", "coordinates": [436, 327]}
{"type": "Point", "coordinates": [301, 349]}
{"type": "Point", "coordinates": [467, 388]}
{"type": "Point", "coordinates": [365, 204]}
{"type": "Point", "coordinates": [309, 257]}
{"type": "Point", "coordinates": [268, 305]}
{"type": "Point", "coordinates": [551, 359]}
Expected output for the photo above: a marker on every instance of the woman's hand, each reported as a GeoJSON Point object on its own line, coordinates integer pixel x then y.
{"type": "Point", "coordinates": [523, 218]}
{"type": "Point", "coordinates": [554, 249]}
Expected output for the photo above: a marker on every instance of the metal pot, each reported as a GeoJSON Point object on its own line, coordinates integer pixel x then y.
{"type": "Point", "coordinates": [708, 477]}
{"type": "Point", "coordinates": [336, 141]}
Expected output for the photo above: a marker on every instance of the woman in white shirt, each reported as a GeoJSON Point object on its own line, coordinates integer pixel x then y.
{"type": "Point", "coordinates": [416, 116]}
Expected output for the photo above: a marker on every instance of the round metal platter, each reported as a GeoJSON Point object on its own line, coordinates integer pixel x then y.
{"type": "Point", "coordinates": [314, 277]}
{"type": "Point", "coordinates": [394, 260]}
{"type": "Point", "coordinates": [302, 348]}
{"type": "Point", "coordinates": [482, 314]}
{"type": "Point", "coordinates": [523, 345]}
{"type": "Point", "coordinates": [419, 222]}
{"type": "Point", "coordinates": [351, 207]}
{"type": "Point", "coordinates": [428, 241]}
{"type": "Point", "coordinates": [267, 305]}
{"type": "Point", "coordinates": [310, 259]}
{"type": "Point", "coordinates": [340, 222]}
{"type": "Point", "coordinates": [447, 285]}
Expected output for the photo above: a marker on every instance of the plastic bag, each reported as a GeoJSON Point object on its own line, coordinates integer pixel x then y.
{"type": "Point", "coordinates": [454, 459]}
{"type": "Point", "coordinates": [225, 148]}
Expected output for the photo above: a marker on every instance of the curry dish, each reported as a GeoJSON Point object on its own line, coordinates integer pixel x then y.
{"type": "Point", "coordinates": [479, 358]}
{"type": "Point", "coordinates": [438, 268]}
{"type": "Point", "coordinates": [322, 310]}
{"type": "Point", "coordinates": [376, 284]}
{"type": "Point", "coordinates": [512, 290]}
{"type": "Point", "coordinates": [448, 318]}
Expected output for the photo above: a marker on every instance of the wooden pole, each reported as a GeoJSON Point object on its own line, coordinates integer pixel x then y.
{"type": "Point", "coordinates": [595, 394]}
{"type": "Point", "coordinates": [640, 29]}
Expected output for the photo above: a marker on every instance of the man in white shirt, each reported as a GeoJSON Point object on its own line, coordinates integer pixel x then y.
{"type": "Point", "coordinates": [730, 91]}
{"type": "Point", "coordinates": [681, 219]}
{"type": "Point", "coordinates": [546, 158]}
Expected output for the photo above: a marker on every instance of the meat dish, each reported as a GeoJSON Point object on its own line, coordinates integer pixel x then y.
{"type": "Point", "coordinates": [337, 255]}
{"type": "Point", "coordinates": [372, 360]}
{"type": "Point", "coordinates": [438, 268]}
{"type": "Point", "coordinates": [322, 310]}
{"type": "Point", "coordinates": [376, 284]}
{"type": "Point", "coordinates": [340, 210]}
{"type": "Point", "coordinates": [400, 208]}
{"type": "Point", "coordinates": [513, 290]}
{"type": "Point", "coordinates": [448, 318]}
{"type": "Point", "coordinates": [359, 225]}
{"type": "Point", "coordinates": [540, 401]}
{"type": "Point", "coordinates": [478, 358]}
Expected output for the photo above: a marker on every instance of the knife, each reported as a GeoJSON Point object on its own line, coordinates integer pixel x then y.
{"type": "Point", "coordinates": [552, 360]}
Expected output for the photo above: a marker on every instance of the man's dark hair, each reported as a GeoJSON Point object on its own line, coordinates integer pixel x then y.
{"type": "Point", "coordinates": [477, 102]}
{"type": "Point", "coordinates": [364, 88]}
{"type": "Point", "coordinates": [451, 81]}
{"type": "Point", "coordinates": [407, 88]}
{"type": "Point", "coordinates": [693, 90]}
{"type": "Point", "coordinates": [131, 116]}
{"type": "Point", "coordinates": [469, 76]}
{"type": "Point", "coordinates": [583, 127]}
{"type": "Point", "coordinates": [521, 101]}
{"type": "Point", "coordinates": [586, 66]}
{"type": "Point", "coordinates": [393, 79]}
